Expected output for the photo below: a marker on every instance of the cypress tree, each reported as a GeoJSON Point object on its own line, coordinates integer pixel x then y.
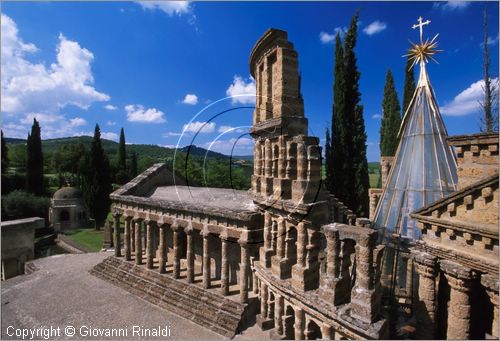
{"type": "Point", "coordinates": [34, 166]}
{"type": "Point", "coordinates": [409, 88]}
{"type": "Point", "coordinates": [5, 156]}
{"type": "Point", "coordinates": [338, 130]}
{"type": "Point", "coordinates": [356, 165]}
{"type": "Point", "coordinates": [391, 118]}
{"type": "Point", "coordinates": [97, 183]}
{"type": "Point", "coordinates": [133, 165]}
{"type": "Point", "coordinates": [122, 152]}
{"type": "Point", "coordinates": [328, 159]}
{"type": "Point", "coordinates": [489, 123]}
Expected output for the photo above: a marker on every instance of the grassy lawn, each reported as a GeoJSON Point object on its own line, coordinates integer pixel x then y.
{"type": "Point", "coordinates": [374, 179]}
{"type": "Point", "coordinates": [89, 238]}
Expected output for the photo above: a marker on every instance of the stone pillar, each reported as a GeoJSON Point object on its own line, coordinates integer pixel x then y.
{"type": "Point", "coordinates": [279, 266]}
{"type": "Point", "coordinates": [190, 254]}
{"type": "Point", "coordinates": [282, 159]}
{"type": "Point", "coordinates": [459, 279]}
{"type": "Point", "coordinates": [224, 275]}
{"type": "Point", "coordinates": [332, 289]}
{"type": "Point", "coordinates": [278, 314]}
{"type": "Point", "coordinates": [268, 158]}
{"type": "Point", "coordinates": [326, 332]}
{"type": "Point", "coordinates": [127, 239]}
{"type": "Point", "coordinates": [299, 324]}
{"type": "Point", "coordinates": [150, 251]}
{"type": "Point", "coordinates": [301, 162]}
{"type": "Point", "coordinates": [138, 242]}
{"type": "Point", "coordinates": [177, 260]}
{"type": "Point", "coordinates": [163, 249]}
{"type": "Point", "coordinates": [132, 235]}
{"type": "Point", "coordinates": [263, 320]}
{"type": "Point", "coordinates": [206, 261]}
{"type": "Point", "coordinates": [118, 243]}
{"type": "Point", "coordinates": [244, 260]}
{"type": "Point", "coordinates": [490, 283]}
{"type": "Point", "coordinates": [257, 161]}
{"type": "Point", "coordinates": [365, 300]}
{"type": "Point", "coordinates": [267, 252]}
{"type": "Point", "coordinates": [255, 283]}
{"type": "Point", "coordinates": [426, 304]}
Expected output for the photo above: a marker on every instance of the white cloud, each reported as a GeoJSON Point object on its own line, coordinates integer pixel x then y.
{"type": "Point", "coordinates": [242, 91]}
{"type": "Point", "coordinates": [229, 129]}
{"type": "Point", "coordinates": [191, 99]}
{"type": "Point", "coordinates": [375, 27]}
{"type": "Point", "coordinates": [52, 125]}
{"type": "Point", "coordinates": [137, 113]}
{"type": "Point", "coordinates": [451, 5]}
{"type": "Point", "coordinates": [169, 7]}
{"type": "Point", "coordinates": [327, 38]}
{"type": "Point", "coordinates": [31, 87]}
{"type": "Point", "coordinates": [110, 107]}
{"type": "Point", "coordinates": [110, 123]}
{"type": "Point", "coordinates": [492, 41]}
{"type": "Point", "coordinates": [77, 122]}
{"type": "Point", "coordinates": [241, 146]}
{"type": "Point", "coordinates": [199, 127]}
{"type": "Point", "coordinates": [466, 102]}
{"type": "Point", "coordinates": [171, 133]}
{"type": "Point", "coordinates": [376, 116]}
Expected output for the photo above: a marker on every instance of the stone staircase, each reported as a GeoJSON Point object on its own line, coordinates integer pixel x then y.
{"type": "Point", "coordinates": [204, 307]}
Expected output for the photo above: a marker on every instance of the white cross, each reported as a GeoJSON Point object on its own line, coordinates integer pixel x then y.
{"type": "Point", "coordinates": [421, 25]}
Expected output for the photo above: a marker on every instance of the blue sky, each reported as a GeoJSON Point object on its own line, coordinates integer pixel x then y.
{"type": "Point", "coordinates": [159, 68]}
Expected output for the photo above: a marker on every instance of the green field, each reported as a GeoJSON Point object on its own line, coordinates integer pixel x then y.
{"type": "Point", "coordinates": [89, 238]}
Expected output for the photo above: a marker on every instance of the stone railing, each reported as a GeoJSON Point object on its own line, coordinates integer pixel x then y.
{"type": "Point", "coordinates": [339, 212]}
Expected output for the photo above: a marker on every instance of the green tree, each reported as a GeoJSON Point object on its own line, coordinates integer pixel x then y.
{"type": "Point", "coordinates": [328, 158]}
{"type": "Point", "coordinates": [356, 165]}
{"type": "Point", "coordinates": [133, 165]}
{"type": "Point", "coordinates": [34, 166]}
{"type": "Point", "coordinates": [5, 156]}
{"type": "Point", "coordinates": [121, 175]}
{"type": "Point", "coordinates": [336, 171]}
{"type": "Point", "coordinates": [391, 118]}
{"type": "Point", "coordinates": [97, 181]}
{"type": "Point", "coordinates": [409, 87]}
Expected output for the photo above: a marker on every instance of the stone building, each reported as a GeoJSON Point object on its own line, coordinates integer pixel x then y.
{"type": "Point", "coordinates": [286, 251]}
{"type": "Point", "coordinates": [67, 209]}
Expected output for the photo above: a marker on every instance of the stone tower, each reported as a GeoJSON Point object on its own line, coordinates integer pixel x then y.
{"type": "Point", "coordinates": [286, 184]}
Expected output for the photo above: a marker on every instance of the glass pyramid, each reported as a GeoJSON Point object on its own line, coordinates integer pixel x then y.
{"type": "Point", "coordinates": [424, 168]}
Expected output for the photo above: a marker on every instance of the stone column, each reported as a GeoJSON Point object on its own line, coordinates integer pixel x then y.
{"type": "Point", "coordinates": [190, 254]}
{"type": "Point", "coordinates": [426, 304]}
{"type": "Point", "coordinates": [266, 252]}
{"type": "Point", "coordinates": [138, 241]}
{"type": "Point", "coordinates": [127, 238]}
{"type": "Point", "coordinates": [224, 276]}
{"type": "Point", "coordinates": [149, 244]}
{"type": "Point", "coordinates": [331, 289]}
{"type": "Point", "coordinates": [263, 320]}
{"type": "Point", "coordinates": [282, 158]}
{"type": "Point", "coordinates": [326, 332]}
{"type": "Point", "coordinates": [163, 249]}
{"type": "Point", "coordinates": [278, 314]}
{"type": "Point", "coordinates": [490, 283]}
{"type": "Point", "coordinates": [206, 261]}
{"type": "Point", "coordinates": [459, 279]}
{"type": "Point", "coordinates": [268, 159]}
{"type": "Point", "coordinates": [299, 324]}
{"type": "Point", "coordinates": [255, 283]}
{"type": "Point", "coordinates": [244, 271]}
{"type": "Point", "coordinates": [301, 162]}
{"type": "Point", "coordinates": [278, 264]}
{"type": "Point", "coordinates": [118, 244]}
{"type": "Point", "coordinates": [132, 235]}
{"type": "Point", "coordinates": [176, 242]}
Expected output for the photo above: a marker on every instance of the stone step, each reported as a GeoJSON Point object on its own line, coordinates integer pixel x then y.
{"type": "Point", "coordinates": [204, 307]}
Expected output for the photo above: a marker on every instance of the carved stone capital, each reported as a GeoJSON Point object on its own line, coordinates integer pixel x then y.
{"type": "Point", "coordinates": [459, 277]}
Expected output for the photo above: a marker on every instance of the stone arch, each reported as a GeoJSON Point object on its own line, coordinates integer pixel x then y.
{"type": "Point", "coordinates": [289, 322]}
{"type": "Point", "coordinates": [313, 331]}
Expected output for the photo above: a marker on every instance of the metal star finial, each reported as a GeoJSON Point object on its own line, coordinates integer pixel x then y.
{"type": "Point", "coordinates": [425, 50]}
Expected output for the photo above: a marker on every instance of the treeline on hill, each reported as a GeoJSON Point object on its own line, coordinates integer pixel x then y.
{"type": "Point", "coordinates": [98, 166]}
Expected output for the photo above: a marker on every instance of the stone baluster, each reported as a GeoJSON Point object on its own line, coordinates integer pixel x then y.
{"type": "Point", "coordinates": [138, 241]}
{"type": "Point", "coordinates": [206, 261]}
{"type": "Point", "coordinates": [282, 158]}
{"type": "Point", "coordinates": [299, 324]}
{"type": "Point", "coordinates": [127, 238]}
{"type": "Point", "coordinates": [162, 264]}
{"type": "Point", "coordinates": [177, 261]}
{"type": "Point", "coordinates": [118, 244]}
{"type": "Point", "coordinates": [426, 306]}
{"type": "Point", "coordinates": [266, 252]}
{"type": "Point", "coordinates": [263, 320]}
{"type": "Point", "coordinates": [268, 158]}
{"type": "Point", "coordinates": [224, 276]}
{"type": "Point", "coordinates": [331, 289]}
{"type": "Point", "coordinates": [255, 283]}
{"type": "Point", "coordinates": [460, 281]}
{"type": "Point", "coordinates": [490, 283]}
{"type": "Point", "coordinates": [189, 254]}
{"type": "Point", "coordinates": [150, 225]}
{"type": "Point", "coordinates": [257, 160]}
{"type": "Point", "coordinates": [365, 301]}
{"type": "Point", "coordinates": [132, 235]}
{"type": "Point", "coordinates": [278, 314]}
{"type": "Point", "coordinates": [244, 266]}
{"type": "Point", "coordinates": [278, 264]}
